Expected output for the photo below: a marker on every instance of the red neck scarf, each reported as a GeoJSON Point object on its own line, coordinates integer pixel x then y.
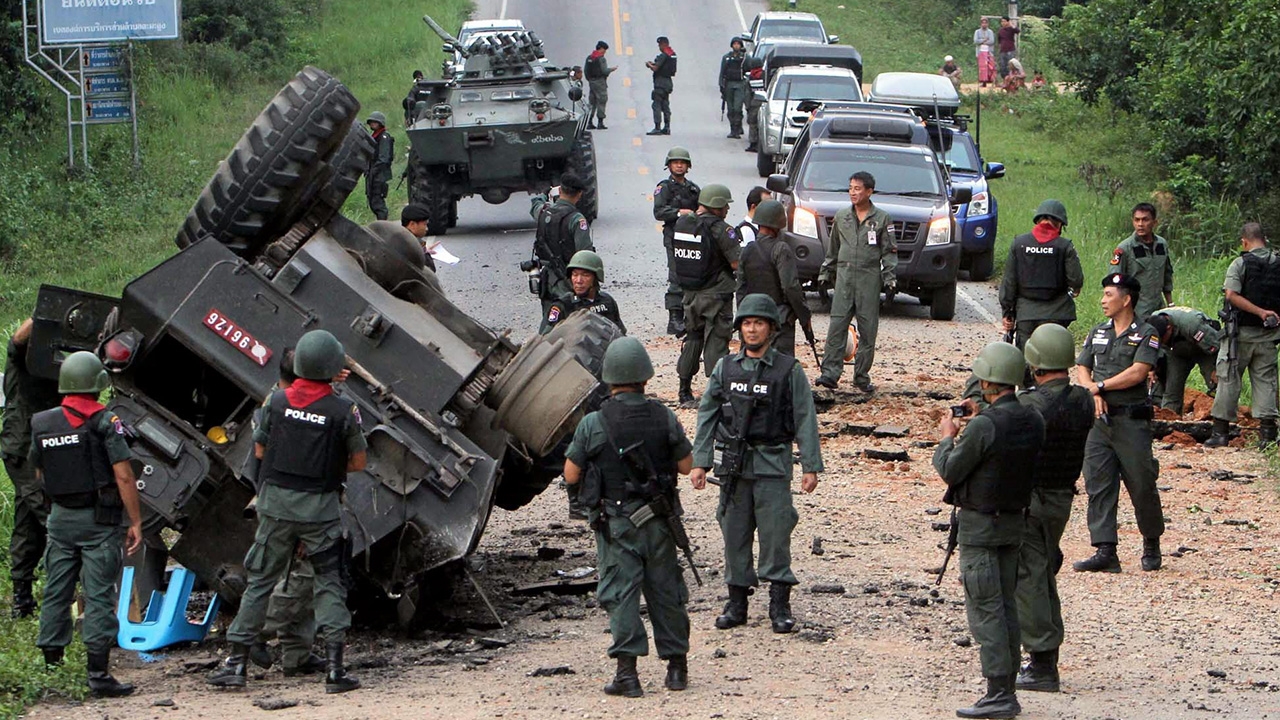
{"type": "Point", "coordinates": [303, 392]}
{"type": "Point", "coordinates": [596, 55]}
{"type": "Point", "coordinates": [670, 51]}
{"type": "Point", "coordinates": [85, 404]}
{"type": "Point", "coordinates": [1044, 232]}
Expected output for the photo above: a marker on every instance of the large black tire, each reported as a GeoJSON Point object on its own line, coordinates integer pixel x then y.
{"type": "Point", "coordinates": [430, 189]}
{"type": "Point", "coordinates": [583, 163]}
{"type": "Point", "coordinates": [258, 192]}
{"type": "Point", "coordinates": [764, 161]}
{"type": "Point", "coordinates": [942, 304]}
{"type": "Point", "coordinates": [981, 266]}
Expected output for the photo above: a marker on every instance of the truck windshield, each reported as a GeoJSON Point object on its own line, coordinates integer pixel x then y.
{"type": "Point", "coordinates": [805, 29]}
{"type": "Point", "coordinates": [957, 152]}
{"type": "Point", "coordinates": [827, 169]}
{"type": "Point", "coordinates": [821, 87]}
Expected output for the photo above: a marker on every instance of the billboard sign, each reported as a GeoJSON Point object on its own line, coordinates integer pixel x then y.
{"type": "Point", "coordinates": [72, 22]}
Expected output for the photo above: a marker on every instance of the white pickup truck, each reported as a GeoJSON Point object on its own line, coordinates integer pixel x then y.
{"type": "Point", "coordinates": [781, 121]}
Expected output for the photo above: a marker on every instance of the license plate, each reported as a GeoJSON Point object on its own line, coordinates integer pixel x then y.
{"type": "Point", "coordinates": [238, 337]}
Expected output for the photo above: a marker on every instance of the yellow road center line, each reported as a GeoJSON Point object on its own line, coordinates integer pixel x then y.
{"type": "Point", "coordinates": [631, 113]}
{"type": "Point", "coordinates": [642, 170]}
{"type": "Point", "coordinates": [636, 141]}
{"type": "Point", "coordinates": [626, 17]}
{"type": "Point", "coordinates": [617, 30]}
{"type": "Point", "coordinates": [629, 50]}
{"type": "Point", "coordinates": [626, 82]}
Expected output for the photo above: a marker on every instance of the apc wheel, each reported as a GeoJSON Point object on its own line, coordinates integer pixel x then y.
{"type": "Point", "coordinates": [764, 161]}
{"type": "Point", "coordinates": [431, 190]}
{"type": "Point", "coordinates": [981, 265]}
{"type": "Point", "coordinates": [942, 306]}
{"type": "Point", "coordinates": [258, 192]}
{"type": "Point", "coordinates": [340, 176]}
{"type": "Point", "coordinates": [583, 163]}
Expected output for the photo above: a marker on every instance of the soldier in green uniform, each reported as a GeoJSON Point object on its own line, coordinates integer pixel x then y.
{"type": "Point", "coordinates": [377, 179]}
{"type": "Point", "coordinates": [561, 231]}
{"type": "Point", "coordinates": [733, 86]}
{"type": "Point", "coordinates": [586, 272]}
{"type": "Point", "coordinates": [1252, 289]}
{"type": "Point", "coordinates": [753, 69]}
{"type": "Point", "coordinates": [636, 550]}
{"type": "Point", "coordinates": [597, 71]}
{"type": "Point", "coordinates": [308, 440]}
{"type": "Point", "coordinates": [24, 395]}
{"type": "Point", "coordinates": [1117, 356]}
{"type": "Point", "coordinates": [757, 404]}
{"type": "Point", "coordinates": [1188, 338]}
{"type": "Point", "coordinates": [1042, 276]}
{"type": "Point", "coordinates": [706, 251]}
{"type": "Point", "coordinates": [663, 67]}
{"type": "Point", "coordinates": [861, 261]}
{"type": "Point", "coordinates": [768, 266]}
{"type": "Point", "coordinates": [1144, 255]}
{"type": "Point", "coordinates": [675, 196]}
{"type": "Point", "coordinates": [986, 475]}
{"type": "Point", "coordinates": [80, 456]}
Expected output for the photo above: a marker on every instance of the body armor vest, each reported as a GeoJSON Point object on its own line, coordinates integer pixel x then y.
{"type": "Point", "coordinates": [1067, 420]}
{"type": "Point", "coordinates": [593, 68]}
{"type": "Point", "coordinates": [732, 67]}
{"type": "Point", "coordinates": [628, 424]}
{"type": "Point", "coordinates": [699, 262]}
{"type": "Point", "coordinates": [553, 231]}
{"type": "Point", "coordinates": [1002, 483]}
{"type": "Point", "coordinates": [306, 449]}
{"type": "Point", "coordinates": [773, 419]}
{"type": "Point", "coordinates": [758, 271]}
{"type": "Point", "coordinates": [1042, 267]}
{"type": "Point", "coordinates": [73, 461]}
{"type": "Point", "coordinates": [1261, 285]}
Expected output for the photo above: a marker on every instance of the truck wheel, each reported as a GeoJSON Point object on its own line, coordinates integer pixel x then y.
{"type": "Point", "coordinates": [981, 265]}
{"type": "Point", "coordinates": [257, 192]}
{"type": "Point", "coordinates": [453, 213]}
{"type": "Point", "coordinates": [340, 176]}
{"type": "Point", "coordinates": [431, 190]}
{"type": "Point", "coordinates": [764, 161]}
{"type": "Point", "coordinates": [942, 306]}
{"type": "Point", "coordinates": [583, 163]}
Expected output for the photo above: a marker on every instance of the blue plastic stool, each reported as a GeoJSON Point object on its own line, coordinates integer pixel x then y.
{"type": "Point", "coordinates": [166, 621]}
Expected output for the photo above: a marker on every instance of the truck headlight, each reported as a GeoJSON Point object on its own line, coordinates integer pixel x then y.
{"type": "Point", "coordinates": [804, 222]}
{"type": "Point", "coordinates": [775, 121]}
{"type": "Point", "coordinates": [939, 231]}
{"type": "Point", "coordinates": [979, 205]}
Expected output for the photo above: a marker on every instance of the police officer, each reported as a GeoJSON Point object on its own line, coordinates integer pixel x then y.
{"type": "Point", "coordinates": [416, 94]}
{"type": "Point", "coordinates": [635, 553]}
{"type": "Point", "coordinates": [768, 266]}
{"type": "Point", "coordinates": [674, 196]}
{"type": "Point", "coordinates": [706, 256]}
{"type": "Point", "coordinates": [986, 475]}
{"type": "Point", "coordinates": [760, 400]}
{"type": "Point", "coordinates": [1252, 289]}
{"type": "Point", "coordinates": [24, 395]}
{"type": "Point", "coordinates": [308, 440]}
{"type": "Point", "coordinates": [753, 69]}
{"type": "Point", "coordinates": [1117, 356]}
{"type": "Point", "coordinates": [733, 86]}
{"type": "Point", "coordinates": [561, 231]}
{"type": "Point", "coordinates": [862, 259]}
{"type": "Point", "coordinates": [663, 67]}
{"type": "Point", "coordinates": [586, 272]}
{"type": "Point", "coordinates": [1188, 338]}
{"type": "Point", "coordinates": [1144, 255]}
{"type": "Point", "coordinates": [416, 219]}
{"type": "Point", "coordinates": [79, 455]}
{"type": "Point", "coordinates": [377, 180]}
{"type": "Point", "coordinates": [1042, 276]}
{"type": "Point", "coordinates": [597, 71]}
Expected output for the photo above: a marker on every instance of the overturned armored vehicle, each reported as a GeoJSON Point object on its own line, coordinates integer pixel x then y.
{"type": "Point", "coordinates": [458, 418]}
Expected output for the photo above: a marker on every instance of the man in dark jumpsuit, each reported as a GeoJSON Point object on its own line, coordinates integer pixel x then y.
{"type": "Point", "coordinates": [757, 404]}
{"type": "Point", "coordinates": [24, 395]}
{"type": "Point", "coordinates": [636, 551]}
{"type": "Point", "coordinates": [1188, 338]}
{"type": "Point", "coordinates": [561, 231]}
{"type": "Point", "coordinates": [663, 67]}
{"type": "Point", "coordinates": [79, 454]}
{"type": "Point", "coordinates": [586, 272]}
{"type": "Point", "coordinates": [674, 196]}
{"type": "Point", "coordinates": [1042, 276]}
{"type": "Point", "coordinates": [597, 71]}
{"type": "Point", "coordinates": [1117, 357]}
{"type": "Point", "coordinates": [768, 266]}
{"type": "Point", "coordinates": [986, 475]}
{"type": "Point", "coordinates": [308, 440]}
{"type": "Point", "coordinates": [377, 180]}
{"type": "Point", "coordinates": [1144, 255]}
{"type": "Point", "coordinates": [733, 86]}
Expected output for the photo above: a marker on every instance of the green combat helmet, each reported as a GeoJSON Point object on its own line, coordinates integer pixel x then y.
{"type": "Point", "coordinates": [771, 214]}
{"type": "Point", "coordinates": [626, 363]}
{"type": "Point", "coordinates": [319, 356]}
{"type": "Point", "coordinates": [678, 153]}
{"type": "Point", "coordinates": [82, 372]}
{"type": "Point", "coordinates": [378, 117]}
{"type": "Point", "coordinates": [715, 196]}
{"type": "Point", "coordinates": [757, 305]}
{"type": "Point", "coordinates": [1000, 363]}
{"type": "Point", "coordinates": [1051, 208]}
{"type": "Point", "coordinates": [589, 261]}
{"type": "Point", "coordinates": [1051, 347]}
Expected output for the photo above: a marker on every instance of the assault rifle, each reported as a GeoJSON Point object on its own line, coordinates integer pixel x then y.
{"type": "Point", "coordinates": [812, 342]}
{"type": "Point", "coordinates": [1230, 317]}
{"type": "Point", "coordinates": [953, 539]}
{"type": "Point", "coordinates": [733, 445]}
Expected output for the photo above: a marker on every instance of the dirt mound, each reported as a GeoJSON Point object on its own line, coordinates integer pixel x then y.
{"type": "Point", "coordinates": [1181, 439]}
{"type": "Point", "coordinates": [1167, 414]}
{"type": "Point", "coordinates": [1196, 404]}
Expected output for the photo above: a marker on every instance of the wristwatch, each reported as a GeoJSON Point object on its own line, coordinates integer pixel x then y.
{"type": "Point", "coordinates": [1102, 385]}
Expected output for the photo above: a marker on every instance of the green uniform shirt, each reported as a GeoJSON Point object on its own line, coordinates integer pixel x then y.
{"type": "Point", "coordinates": [589, 438]}
{"type": "Point", "coordinates": [24, 396]}
{"type": "Point", "coordinates": [782, 263]}
{"type": "Point", "coordinates": [107, 426]}
{"type": "Point", "coordinates": [1235, 283]}
{"type": "Point", "coordinates": [298, 505]}
{"type": "Point", "coordinates": [1151, 265]}
{"type": "Point", "coordinates": [955, 459]}
{"type": "Point", "coordinates": [1193, 330]}
{"type": "Point", "coordinates": [762, 461]}
{"type": "Point", "coordinates": [577, 224]}
{"type": "Point", "coordinates": [1108, 353]}
{"type": "Point", "coordinates": [865, 246]}
{"type": "Point", "coordinates": [671, 196]}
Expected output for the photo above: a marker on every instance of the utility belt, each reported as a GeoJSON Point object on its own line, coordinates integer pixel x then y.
{"type": "Point", "coordinates": [108, 508]}
{"type": "Point", "coordinates": [996, 514]}
{"type": "Point", "coordinates": [1138, 411]}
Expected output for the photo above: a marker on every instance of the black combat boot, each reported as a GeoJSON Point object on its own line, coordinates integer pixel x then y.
{"type": "Point", "coordinates": [1266, 439]}
{"type": "Point", "coordinates": [338, 681]}
{"type": "Point", "coordinates": [1151, 557]}
{"type": "Point", "coordinates": [677, 672]}
{"type": "Point", "coordinates": [233, 671]}
{"type": "Point", "coordinates": [101, 684]}
{"type": "Point", "coordinates": [1104, 560]}
{"type": "Point", "coordinates": [52, 656]}
{"type": "Point", "coordinates": [602, 126]}
{"type": "Point", "coordinates": [1041, 674]}
{"type": "Point", "coordinates": [780, 608]}
{"type": "Point", "coordinates": [591, 124]}
{"type": "Point", "coordinates": [655, 131]}
{"type": "Point", "coordinates": [735, 611]}
{"type": "Point", "coordinates": [686, 399]}
{"type": "Point", "coordinates": [1221, 434]}
{"type": "Point", "coordinates": [675, 323]}
{"type": "Point", "coordinates": [310, 666]}
{"type": "Point", "coordinates": [260, 655]}
{"type": "Point", "coordinates": [999, 702]}
{"type": "Point", "coordinates": [24, 603]}
{"type": "Point", "coordinates": [626, 681]}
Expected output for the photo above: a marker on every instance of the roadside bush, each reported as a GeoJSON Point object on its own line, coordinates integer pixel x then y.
{"type": "Point", "coordinates": [21, 103]}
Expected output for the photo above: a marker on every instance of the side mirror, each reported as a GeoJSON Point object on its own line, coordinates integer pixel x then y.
{"type": "Point", "coordinates": [760, 96]}
{"type": "Point", "coordinates": [575, 93]}
{"type": "Point", "coordinates": [961, 196]}
{"type": "Point", "coordinates": [779, 184]}
{"type": "Point", "coordinates": [994, 170]}
{"type": "Point", "coordinates": [833, 39]}
{"type": "Point", "coordinates": [745, 37]}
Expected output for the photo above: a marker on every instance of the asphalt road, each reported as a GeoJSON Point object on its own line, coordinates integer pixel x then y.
{"type": "Point", "coordinates": [493, 239]}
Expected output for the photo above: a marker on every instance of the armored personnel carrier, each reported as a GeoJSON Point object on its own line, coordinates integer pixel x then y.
{"type": "Point", "coordinates": [458, 418]}
{"type": "Point", "coordinates": [504, 121]}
